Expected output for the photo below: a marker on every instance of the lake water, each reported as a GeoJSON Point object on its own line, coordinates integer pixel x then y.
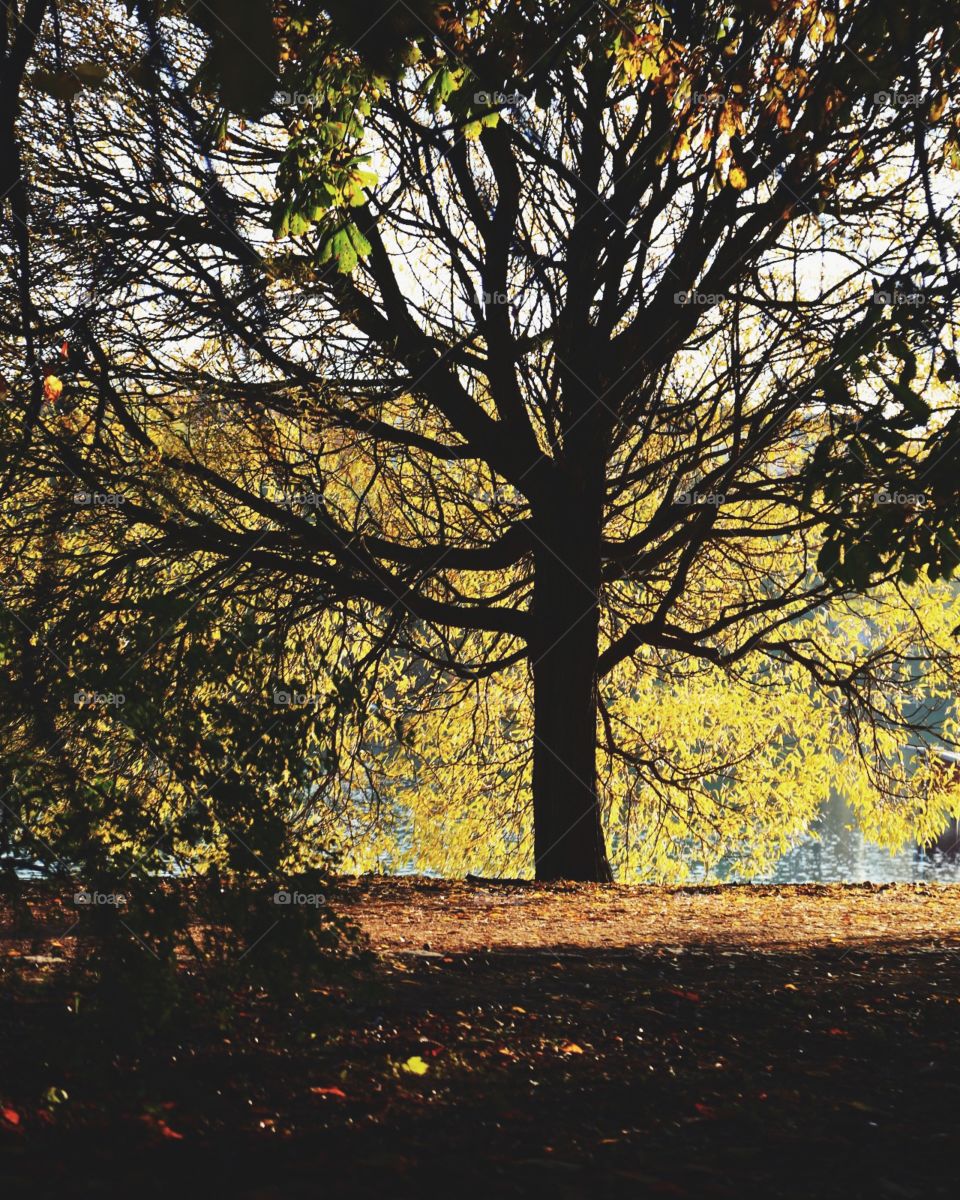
{"type": "Point", "coordinates": [841, 854]}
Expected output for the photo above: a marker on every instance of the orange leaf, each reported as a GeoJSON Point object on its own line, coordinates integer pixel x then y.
{"type": "Point", "coordinates": [52, 387]}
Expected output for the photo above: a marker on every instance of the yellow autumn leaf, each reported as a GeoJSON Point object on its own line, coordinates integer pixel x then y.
{"type": "Point", "coordinates": [938, 106]}
{"type": "Point", "coordinates": [52, 387]}
{"type": "Point", "coordinates": [415, 1066]}
{"type": "Point", "coordinates": [738, 178]}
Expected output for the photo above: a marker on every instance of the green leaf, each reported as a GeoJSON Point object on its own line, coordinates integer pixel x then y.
{"type": "Point", "coordinates": [339, 248]}
{"type": "Point", "coordinates": [360, 242]}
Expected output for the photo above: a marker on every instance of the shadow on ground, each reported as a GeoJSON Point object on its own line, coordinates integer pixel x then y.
{"type": "Point", "coordinates": [693, 1071]}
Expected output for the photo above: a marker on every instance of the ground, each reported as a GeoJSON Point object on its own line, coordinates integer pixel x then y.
{"type": "Point", "coordinates": [515, 1041]}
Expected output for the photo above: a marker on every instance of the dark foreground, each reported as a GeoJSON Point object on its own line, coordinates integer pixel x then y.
{"type": "Point", "coordinates": [519, 1042]}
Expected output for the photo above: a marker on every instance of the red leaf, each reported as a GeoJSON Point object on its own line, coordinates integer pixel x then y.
{"type": "Point", "coordinates": [328, 1091]}
{"type": "Point", "coordinates": [10, 1115]}
{"type": "Point", "coordinates": [161, 1127]}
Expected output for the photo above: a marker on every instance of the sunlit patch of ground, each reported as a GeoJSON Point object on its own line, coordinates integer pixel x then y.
{"type": "Point", "coordinates": [399, 914]}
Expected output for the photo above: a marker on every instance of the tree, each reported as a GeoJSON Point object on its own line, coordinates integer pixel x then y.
{"type": "Point", "coordinates": [571, 309]}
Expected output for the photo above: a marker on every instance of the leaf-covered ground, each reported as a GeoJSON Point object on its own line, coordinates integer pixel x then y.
{"type": "Point", "coordinates": [516, 1041]}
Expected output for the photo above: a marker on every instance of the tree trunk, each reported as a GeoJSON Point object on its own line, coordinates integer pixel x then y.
{"type": "Point", "coordinates": [568, 835]}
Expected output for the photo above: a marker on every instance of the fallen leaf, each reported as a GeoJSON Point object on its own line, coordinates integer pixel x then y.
{"type": "Point", "coordinates": [415, 1066]}
{"type": "Point", "coordinates": [570, 1048]}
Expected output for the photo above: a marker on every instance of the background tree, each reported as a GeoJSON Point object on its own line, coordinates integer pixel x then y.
{"type": "Point", "coordinates": [592, 336]}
